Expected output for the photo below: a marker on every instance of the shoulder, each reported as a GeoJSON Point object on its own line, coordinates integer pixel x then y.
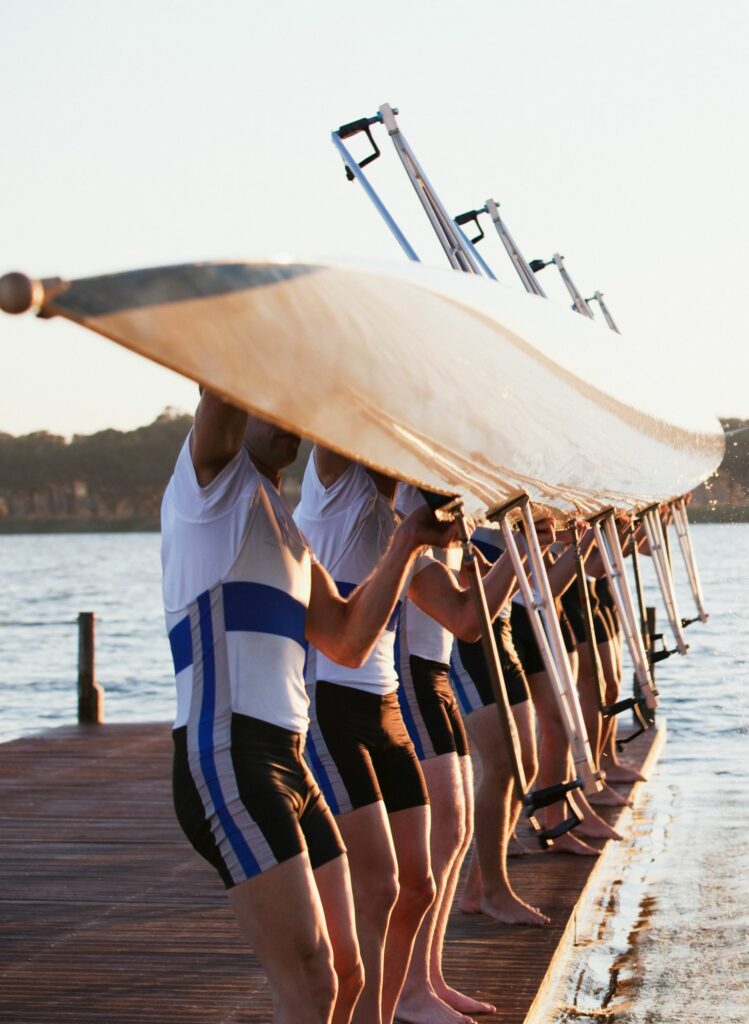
{"type": "Point", "coordinates": [188, 499]}
{"type": "Point", "coordinates": [408, 499]}
{"type": "Point", "coordinates": [351, 487]}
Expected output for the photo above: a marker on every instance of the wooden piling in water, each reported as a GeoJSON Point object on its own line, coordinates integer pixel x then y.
{"type": "Point", "coordinates": [89, 692]}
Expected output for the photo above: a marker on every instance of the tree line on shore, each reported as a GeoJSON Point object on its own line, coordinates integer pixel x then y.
{"type": "Point", "coordinates": [113, 479]}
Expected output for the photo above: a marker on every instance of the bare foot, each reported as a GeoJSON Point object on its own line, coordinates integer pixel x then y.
{"type": "Point", "coordinates": [510, 909]}
{"type": "Point", "coordinates": [516, 848]}
{"type": "Point", "coordinates": [470, 903]}
{"type": "Point", "coordinates": [597, 828]}
{"type": "Point", "coordinates": [428, 1008]}
{"type": "Point", "coordinates": [569, 844]}
{"type": "Point", "coordinates": [608, 797]}
{"type": "Point", "coordinates": [459, 1001]}
{"type": "Point", "coordinates": [621, 773]}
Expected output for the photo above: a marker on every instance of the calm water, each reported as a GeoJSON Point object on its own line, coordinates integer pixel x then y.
{"type": "Point", "coordinates": [676, 949]}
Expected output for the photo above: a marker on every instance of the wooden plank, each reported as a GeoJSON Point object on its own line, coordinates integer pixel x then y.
{"type": "Point", "coordinates": [107, 915]}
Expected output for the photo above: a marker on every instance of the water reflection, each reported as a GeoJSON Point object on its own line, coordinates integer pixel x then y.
{"type": "Point", "coordinates": [674, 947]}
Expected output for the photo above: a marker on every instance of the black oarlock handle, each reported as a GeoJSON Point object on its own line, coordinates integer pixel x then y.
{"type": "Point", "coordinates": [362, 124]}
{"type": "Point", "coordinates": [471, 217]}
{"type": "Point", "coordinates": [539, 798]}
{"type": "Point", "coordinates": [628, 704]}
{"type": "Point", "coordinates": [548, 835]}
{"type": "Point", "coordinates": [639, 710]}
{"type": "Point", "coordinates": [657, 656]}
{"type": "Point", "coordinates": [353, 128]}
{"type": "Point", "coordinates": [560, 793]}
{"type": "Point", "coordinates": [688, 622]}
{"type": "Point", "coordinates": [537, 265]}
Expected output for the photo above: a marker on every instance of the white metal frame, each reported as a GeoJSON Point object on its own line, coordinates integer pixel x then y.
{"type": "Point", "coordinates": [607, 539]}
{"type": "Point", "coordinates": [651, 520]}
{"type": "Point", "coordinates": [681, 524]}
{"type": "Point", "coordinates": [577, 298]}
{"type": "Point", "coordinates": [598, 296]}
{"type": "Point", "coordinates": [539, 603]}
{"type": "Point", "coordinates": [519, 262]}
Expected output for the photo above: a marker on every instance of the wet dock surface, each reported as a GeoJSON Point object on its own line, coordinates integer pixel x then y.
{"type": "Point", "coordinates": [107, 915]}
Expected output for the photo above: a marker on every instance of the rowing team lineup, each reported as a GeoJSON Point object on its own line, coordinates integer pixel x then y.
{"type": "Point", "coordinates": [431, 646]}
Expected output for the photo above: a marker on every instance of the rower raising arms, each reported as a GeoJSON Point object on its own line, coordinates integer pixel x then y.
{"type": "Point", "coordinates": [487, 889]}
{"type": "Point", "coordinates": [359, 748]}
{"type": "Point", "coordinates": [434, 723]}
{"type": "Point", "coordinates": [242, 591]}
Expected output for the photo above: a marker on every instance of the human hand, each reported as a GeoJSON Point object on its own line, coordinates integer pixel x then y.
{"type": "Point", "coordinates": [546, 531]}
{"type": "Point", "coordinates": [574, 532]}
{"type": "Point", "coordinates": [423, 529]}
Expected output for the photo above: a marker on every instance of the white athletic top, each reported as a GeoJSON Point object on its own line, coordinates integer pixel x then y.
{"type": "Point", "coordinates": [236, 586]}
{"type": "Point", "coordinates": [349, 525]}
{"type": "Point", "coordinates": [423, 635]}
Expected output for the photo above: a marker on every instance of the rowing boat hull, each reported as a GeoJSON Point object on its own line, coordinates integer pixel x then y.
{"type": "Point", "coordinates": [447, 380]}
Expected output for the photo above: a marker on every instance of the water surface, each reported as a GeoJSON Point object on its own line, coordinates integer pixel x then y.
{"type": "Point", "coordinates": [674, 951]}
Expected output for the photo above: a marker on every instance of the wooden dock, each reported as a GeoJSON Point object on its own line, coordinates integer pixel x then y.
{"type": "Point", "coordinates": [107, 915]}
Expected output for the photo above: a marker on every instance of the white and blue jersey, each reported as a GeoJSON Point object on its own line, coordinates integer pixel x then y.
{"type": "Point", "coordinates": [350, 525]}
{"type": "Point", "coordinates": [237, 583]}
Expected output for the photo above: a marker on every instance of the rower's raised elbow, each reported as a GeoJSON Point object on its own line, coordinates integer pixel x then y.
{"type": "Point", "coordinates": [469, 632]}
{"type": "Point", "coordinates": [349, 656]}
{"type": "Point", "coordinates": [352, 660]}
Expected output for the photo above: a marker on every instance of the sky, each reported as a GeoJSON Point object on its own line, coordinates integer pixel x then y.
{"type": "Point", "coordinates": [139, 133]}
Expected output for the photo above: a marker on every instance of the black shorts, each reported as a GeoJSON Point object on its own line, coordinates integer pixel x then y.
{"type": "Point", "coordinates": [270, 809]}
{"type": "Point", "coordinates": [359, 750]}
{"type": "Point", "coordinates": [472, 660]}
{"type": "Point", "coordinates": [607, 604]}
{"type": "Point", "coordinates": [575, 612]}
{"type": "Point", "coordinates": [525, 641]}
{"type": "Point", "coordinates": [430, 710]}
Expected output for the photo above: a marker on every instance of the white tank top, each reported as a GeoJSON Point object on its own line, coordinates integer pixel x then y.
{"type": "Point", "coordinates": [237, 580]}
{"type": "Point", "coordinates": [422, 635]}
{"type": "Point", "coordinates": [349, 526]}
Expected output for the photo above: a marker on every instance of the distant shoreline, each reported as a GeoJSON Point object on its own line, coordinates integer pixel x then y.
{"type": "Point", "coordinates": [12, 527]}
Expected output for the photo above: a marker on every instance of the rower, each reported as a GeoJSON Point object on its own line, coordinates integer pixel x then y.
{"type": "Point", "coordinates": [243, 595]}
{"type": "Point", "coordinates": [359, 747]}
{"type": "Point", "coordinates": [488, 889]}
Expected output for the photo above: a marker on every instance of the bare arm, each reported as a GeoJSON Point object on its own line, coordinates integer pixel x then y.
{"type": "Point", "coordinates": [347, 630]}
{"type": "Point", "coordinates": [563, 571]}
{"type": "Point", "coordinates": [218, 432]}
{"type": "Point", "coordinates": [436, 591]}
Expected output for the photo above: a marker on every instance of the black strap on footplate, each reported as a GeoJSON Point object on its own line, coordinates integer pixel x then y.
{"type": "Point", "coordinates": [446, 508]}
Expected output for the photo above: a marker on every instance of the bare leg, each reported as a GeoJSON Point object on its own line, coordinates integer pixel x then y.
{"type": "Point", "coordinates": [410, 832]}
{"type": "Point", "coordinates": [497, 811]}
{"type": "Point", "coordinates": [374, 878]}
{"type": "Point", "coordinates": [554, 760]}
{"type": "Point", "coordinates": [587, 688]}
{"type": "Point", "coordinates": [334, 885]}
{"type": "Point", "coordinates": [419, 1003]}
{"type": "Point", "coordinates": [458, 1001]}
{"type": "Point", "coordinates": [607, 797]}
{"type": "Point", "coordinates": [298, 960]}
{"type": "Point", "coordinates": [615, 771]}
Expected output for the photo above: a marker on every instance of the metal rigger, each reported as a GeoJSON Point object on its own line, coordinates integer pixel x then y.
{"type": "Point", "coordinates": [462, 255]}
